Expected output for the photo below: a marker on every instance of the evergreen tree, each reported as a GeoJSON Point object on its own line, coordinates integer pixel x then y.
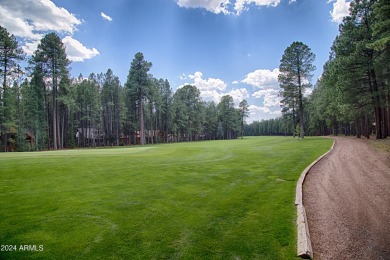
{"type": "Point", "coordinates": [51, 59]}
{"type": "Point", "coordinates": [10, 54]}
{"type": "Point", "coordinates": [187, 105]}
{"type": "Point", "coordinates": [220, 130]}
{"type": "Point", "coordinates": [295, 69]}
{"type": "Point", "coordinates": [381, 26]}
{"type": "Point", "coordinates": [211, 124]}
{"type": "Point", "coordinates": [110, 100]}
{"type": "Point", "coordinates": [138, 84]}
{"type": "Point", "coordinates": [165, 93]}
{"type": "Point", "coordinates": [226, 114]}
{"type": "Point", "coordinates": [88, 111]}
{"type": "Point", "coordinates": [381, 44]}
{"type": "Point", "coordinates": [37, 110]}
{"type": "Point", "coordinates": [244, 113]}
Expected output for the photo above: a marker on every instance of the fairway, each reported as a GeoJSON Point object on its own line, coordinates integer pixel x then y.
{"type": "Point", "coordinates": [230, 199]}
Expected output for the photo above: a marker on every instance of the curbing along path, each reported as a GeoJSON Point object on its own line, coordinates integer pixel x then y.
{"type": "Point", "coordinates": [304, 248]}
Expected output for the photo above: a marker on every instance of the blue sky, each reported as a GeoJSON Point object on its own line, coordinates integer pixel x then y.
{"type": "Point", "coordinates": [223, 47]}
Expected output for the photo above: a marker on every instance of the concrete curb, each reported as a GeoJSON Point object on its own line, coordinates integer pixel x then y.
{"type": "Point", "coordinates": [304, 248]}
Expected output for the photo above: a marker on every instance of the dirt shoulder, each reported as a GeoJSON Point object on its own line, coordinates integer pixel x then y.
{"type": "Point", "coordinates": [347, 201]}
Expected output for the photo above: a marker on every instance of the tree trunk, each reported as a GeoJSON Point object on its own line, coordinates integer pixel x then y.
{"type": "Point", "coordinates": [54, 116]}
{"type": "Point", "coordinates": [358, 127]}
{"type": "Point", "coordinates": [301, 128]}
{"type": "Point", "coordinates": [376, 98]}
{"type": "Point", "coordinates": [62, 128]}
{"type": "Point", "coordinates": [366, 127]}
{"type": "Point", "coordinates": [385, 123]}
{"type": "Point", "coordinates": [59, 145]}
{"type": "Point", "coordinates": [141, 122]}
{"type": "Point", "coordinates": [48, 122]}
{"type": "Point", "coordinates": [294, 119]}
{"type": "Point", "coordinates": [3, 129]}
{"type": "Point", "coordinates": [388, 113]}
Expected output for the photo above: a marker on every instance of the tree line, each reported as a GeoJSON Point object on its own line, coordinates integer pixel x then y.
{"type": "Point", "coordinates": [352, 96]}
{"type": "Point", "coordinates": [46, 109]}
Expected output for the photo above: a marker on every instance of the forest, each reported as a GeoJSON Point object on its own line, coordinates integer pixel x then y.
{"type": "Point", "coordinates": [43, 108]}
{"type": "Point", "coordinates": [352, 97]}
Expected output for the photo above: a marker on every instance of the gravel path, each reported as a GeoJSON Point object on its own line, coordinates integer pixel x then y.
{"type": "Point", "coordinates": [347, 201]}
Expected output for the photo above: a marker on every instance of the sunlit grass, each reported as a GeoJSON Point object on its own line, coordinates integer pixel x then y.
{"type": "Point", "coordinates": [203, 200]}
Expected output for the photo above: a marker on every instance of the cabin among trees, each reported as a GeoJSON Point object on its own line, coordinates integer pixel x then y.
{"type": "Point", "coordinates": [18, 142]}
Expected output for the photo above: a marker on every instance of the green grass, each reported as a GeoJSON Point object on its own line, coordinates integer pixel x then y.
{"type": "Point", "coordinates": [202, 200]}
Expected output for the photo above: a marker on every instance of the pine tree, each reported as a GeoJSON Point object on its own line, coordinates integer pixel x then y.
{"type": "Point", "coordinates": [244, 113]}
{"type": "Point", "coordinates": [226, 115]}
{"type": "Point", "coordinates": [10, 54]}
{"type": "Point", "coordinates": [110, 100]}
{"type": "Point", "coordinates": [295, 69]}
{"type": "Point", "coordinates": [187, 107]}
{"type": "Point", "coordinates": [51, 58]}
{"type": "Point", "coordinates": [211, 123]}
{"type": "Point", "coordinates": [138, 82]}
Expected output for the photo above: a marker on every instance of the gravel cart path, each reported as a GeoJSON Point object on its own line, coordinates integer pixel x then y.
{"type": "Point", "coordinates": [347, 201]}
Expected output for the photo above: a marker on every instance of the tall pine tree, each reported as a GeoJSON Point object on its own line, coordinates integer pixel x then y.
{"type": "Point", "coordinates": [295, 69]}
{"type": "Point", "coordinates": [10, 54]}
{"type": "Point", "coordinates": [51, 58]}
{"type": "Point", "coordinates": [138, 84]}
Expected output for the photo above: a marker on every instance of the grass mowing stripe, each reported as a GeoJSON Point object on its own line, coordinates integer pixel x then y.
{"type": "Point", "coordinates": [213, 200]}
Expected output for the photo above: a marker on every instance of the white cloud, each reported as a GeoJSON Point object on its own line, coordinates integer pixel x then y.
{"type": "Point", "coordinates": [214, 6]}
{"type": "Point", "coordinates": [270, 97]}
{"type": "Point", "coordinates": [31, 20]}
{"type": "Point", "coordinates": [211, 95]}
{"type": "Point", "coordinates": [222, 6]}
{"type": "Point", "coordinates": [241, 5]}
{"type": "Point", "coordinates": [257, 113]}
{"type": "Point", "coordinates": [262, 78]}
{"type": "Point", "coordinates": [41, 15]}
{"type": "Point", "coordinates": [267, 82]}
{"type": "Point", "coordinates": [197, 74]}
{"type": "Point", "coordinates": [212, 89]}
{"type": "Point", "coordinates": [340, 10]}
{"type": "Point", "coordinates": [272, 100]}
{"type": "Point", "coordinates": [106, 17]}
{"type": "Point", "coordinates": [16, 25]}
{"type": "Point", "coordinates": [265, 92]}
{"type": "Point", "coordinates": [207, 84]}
{"type": "Point", "coordinates": [30, 47]}
{"type": "Point", "coordinates": [238, 95]}
{"type": "Point", "coordinates": [253, 109]}
{"type": "Point", "coordinates": [76, 51]}
{"type": "Point", "coordinates": [260, 93]}
{"type": "Point", "coordinates": [268, 93]}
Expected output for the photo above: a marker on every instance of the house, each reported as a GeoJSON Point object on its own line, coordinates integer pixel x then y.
{"type": "Point", "coordinates": [90, 135]}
